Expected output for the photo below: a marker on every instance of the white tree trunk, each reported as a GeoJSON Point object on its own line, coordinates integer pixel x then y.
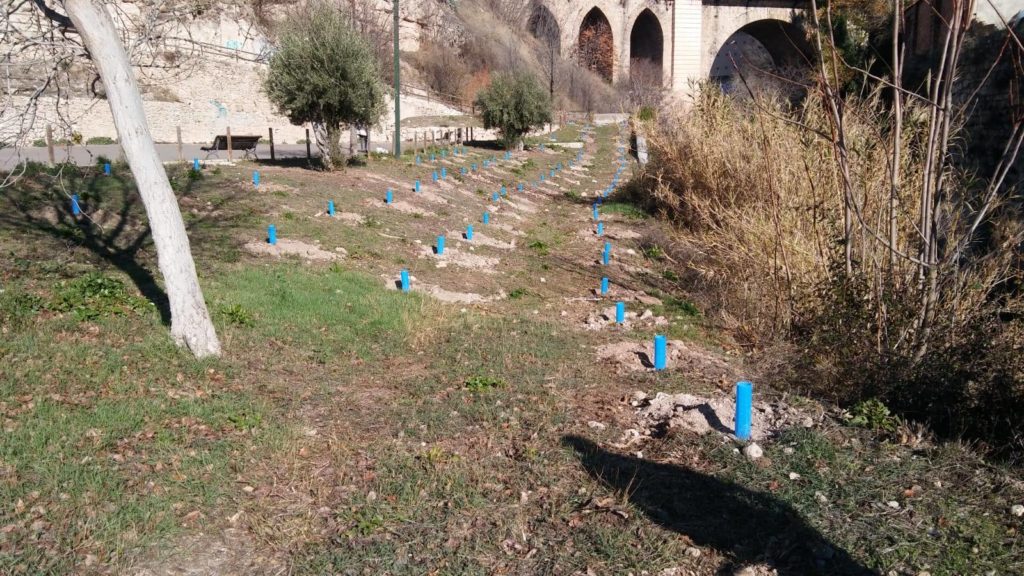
{"type": "Point", "coordinates": [190, 320]}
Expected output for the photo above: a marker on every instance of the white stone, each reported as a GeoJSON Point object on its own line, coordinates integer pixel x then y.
{"type": "Point", "coordinates": [1017, 510]}
{"type": "Point", "coordinates": [752, 451]}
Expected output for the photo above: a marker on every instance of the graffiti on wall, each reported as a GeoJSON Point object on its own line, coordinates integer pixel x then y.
{"type": "Point", "coordinates": [222, 110]}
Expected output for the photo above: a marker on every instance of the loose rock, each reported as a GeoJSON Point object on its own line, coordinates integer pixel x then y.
{"type": "Point", "coordinates": [752, 451]}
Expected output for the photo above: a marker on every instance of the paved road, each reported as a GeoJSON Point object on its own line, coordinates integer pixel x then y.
{"type": "Point", "coordinates": [87, 155]}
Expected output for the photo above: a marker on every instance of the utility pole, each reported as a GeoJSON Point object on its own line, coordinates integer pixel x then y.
{"type": "Point", "coordinates": [398, 92]}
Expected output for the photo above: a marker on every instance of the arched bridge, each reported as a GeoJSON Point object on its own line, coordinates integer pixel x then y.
{"type": "Point", "coordinates": [672, 42]}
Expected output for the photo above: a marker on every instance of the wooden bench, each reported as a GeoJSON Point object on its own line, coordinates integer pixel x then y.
{"type": "Point", "coordinates": [245, 144]}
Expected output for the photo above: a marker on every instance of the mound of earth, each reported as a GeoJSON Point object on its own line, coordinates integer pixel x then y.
{"type": "Point", "coordinates": [663, 412]}
{"type": "Point", "coordinates": [484, 264]}
{"type": "Point", "coordinates": [287, 247]}
{"type": "Point", "coordinates": [606, 317]}
{"type": "Point", "coordinates": [616, 233]}
{"type": "Point", "coordinates": [695, 361]}
{"type": "Point", "coordinates": [484, 240]}
{"type": "Point", "coordinates": [443, 295]}
{"type": "Point", "coordinates": [399, 205]}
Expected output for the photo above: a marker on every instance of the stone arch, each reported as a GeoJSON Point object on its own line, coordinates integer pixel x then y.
{"type": "Point", "coordinates": [763, 49]}
{"type": "Point", "coordinates": [596, 44]}
{"type": "Point", "coordinates": [647, 49]}
{"type": "Point", "coordinates": [543, 25]}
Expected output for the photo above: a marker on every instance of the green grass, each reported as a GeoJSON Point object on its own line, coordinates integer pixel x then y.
{"type": "Point", "coordinates": [623, 209]}
{"type": "Point", "coordinates": [526, 169]}
{"type": "Point", "coordinates": [111, 446]}
{"type": "Point", "coordinates": [333, 311]}
{"type": "Point", "coordinates": [845, 490]}
{"type": "Point", "coordinates": [102, 453]}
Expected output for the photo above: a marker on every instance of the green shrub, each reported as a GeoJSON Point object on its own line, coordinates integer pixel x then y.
{"type": "Point", "coordinates": [324, 73]}
{"type": "Point", "coordinates": [100, 140]}
{"type": "Point", "coordinates": [873, 415]}
{"type": "Point", "coordinates": [652, 252]}
{"type": "Point", "coordinates": [680, 306]}
{"type": "Point", "coordinates": [514, 104]}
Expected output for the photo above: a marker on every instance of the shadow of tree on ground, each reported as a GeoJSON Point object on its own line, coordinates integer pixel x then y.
{"type": "Point", "coordinates": [747, 527]}
{"type": "Point", "coordinates": [112, 225]}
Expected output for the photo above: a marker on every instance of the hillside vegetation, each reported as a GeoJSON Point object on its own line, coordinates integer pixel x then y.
{"type": "Point", "coordinates": [866, 252]}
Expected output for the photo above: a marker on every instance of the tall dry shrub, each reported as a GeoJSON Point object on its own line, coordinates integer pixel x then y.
{"type": "Point", "coordinates": [760, 195]}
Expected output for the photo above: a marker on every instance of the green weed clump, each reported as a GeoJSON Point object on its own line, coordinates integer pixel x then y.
{"type": "Point", "coordinates": [873, 415]}
{"type": "Point", "coordinates": [95, 295]}
{"type": "Point", "coordinates": [483, 383]}
{"type": "Point", "coordinates": [542, 248]}
{"type": "Point", "coordinates": [17, 308]}
{"type": "Point", "coordinates": [238, 315]}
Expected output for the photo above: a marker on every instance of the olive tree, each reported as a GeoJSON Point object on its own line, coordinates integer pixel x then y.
{"type": "Point", "coordinates": [323, 72]}
{"type": "Point", "coordinates": [514, 103]}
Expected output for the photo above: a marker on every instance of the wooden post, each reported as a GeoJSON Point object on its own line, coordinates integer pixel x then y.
{"type": "Point", "coordinates": [49, 144]}
{"type": "Point", "coordinates": [433, 138]}
{"type": "Point", "coordinates": [309, 150]}
{"type": "Point", "coordinates": [272, 158]}
{"type": "Point", "coordinates": [181, 151]}
{"type": "Point", "coordinates": [229, 143]}
{"type": "Point", "coordinates": [352, 141]}
{"type": "Point", "coordinates": [415, 142]}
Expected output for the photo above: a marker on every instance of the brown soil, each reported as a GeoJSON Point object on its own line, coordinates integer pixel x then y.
{"type": "Point", "coordinates": [482, 240]}
{"type": "Point", "coordinates": [507, 228]}
{"type": "Point", "coordinates": [348, 217]}
{"type": "Point", "coordinates": [462, 259]}
{"type": "Point", "coordinates": [443, 295]}
{"type": "Point", "coordinates": [287, 247]}
{"type": "Point", "coordinates": [698, 363]}
{"type": "Point", "coordinates": [606, 318]}
{"type": "Point", "coordinates": [399, 205]}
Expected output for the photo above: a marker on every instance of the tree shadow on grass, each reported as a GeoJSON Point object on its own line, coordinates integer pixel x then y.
{"type": "Point", "coordinates": [112, 225]}
{"type": "Point", "coordinates": [747, 527]}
